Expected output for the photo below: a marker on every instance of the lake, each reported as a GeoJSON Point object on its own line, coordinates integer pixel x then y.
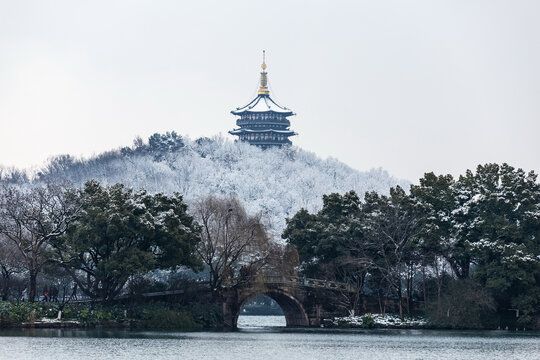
{"type": "Point", "coordinates": [264, 337]}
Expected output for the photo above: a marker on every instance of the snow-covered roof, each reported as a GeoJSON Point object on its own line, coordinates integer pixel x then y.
{"type": "Point", "coordinates": [262, 103]}
{"type": "Point", "coordinates": [240, 131]}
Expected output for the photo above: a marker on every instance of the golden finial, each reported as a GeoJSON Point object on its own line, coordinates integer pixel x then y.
{"type": "Point", "coordinates": [264, 61]}
{"type": "Point", "coordinates": [263, 88]}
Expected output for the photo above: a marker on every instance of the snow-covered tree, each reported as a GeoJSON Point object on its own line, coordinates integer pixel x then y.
{"type": "Point", "coordinates": [121, 233]}
{"type": "Point", "coordinates": [276, 182]}
{"type": "Point", "coordinates": [486, 225]}
{"type": "Point", "coordinates": [502, 234]}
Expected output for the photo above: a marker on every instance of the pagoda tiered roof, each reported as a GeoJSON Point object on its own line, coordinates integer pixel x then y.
{"type": "Point", "coordinates": [261, 104]}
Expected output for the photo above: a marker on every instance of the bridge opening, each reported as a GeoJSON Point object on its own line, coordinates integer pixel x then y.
{"type": "Point", "coordinates": [261, 311]}
{"type": "Point", "coordinates": [293, 313]}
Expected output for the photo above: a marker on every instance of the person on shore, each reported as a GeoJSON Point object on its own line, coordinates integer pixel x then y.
{"type": "Point", "coordinates": [53, 294]}
{"type": "Point", "coordinates": [23, 294]}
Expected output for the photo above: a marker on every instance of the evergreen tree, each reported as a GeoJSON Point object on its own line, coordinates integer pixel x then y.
{"type": "Point", "coordinates": [122, 233]}
{"type": "Point", "coordinates": [323, 239]}
{"type": "Point", "coordinates": [504, 236]}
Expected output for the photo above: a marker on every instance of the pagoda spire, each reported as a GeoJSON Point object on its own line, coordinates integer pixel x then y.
{"type": "Point", "coordinates": [263, 88]}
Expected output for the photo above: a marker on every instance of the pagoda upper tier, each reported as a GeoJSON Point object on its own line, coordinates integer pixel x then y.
{"type": "Point", "coordinates": [261, 104]}
{"type": "Point", "coordinates": [263, 122]}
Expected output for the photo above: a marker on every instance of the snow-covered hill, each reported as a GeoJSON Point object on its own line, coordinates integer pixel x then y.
{"type": "Point", "coordinates": [277, 182]}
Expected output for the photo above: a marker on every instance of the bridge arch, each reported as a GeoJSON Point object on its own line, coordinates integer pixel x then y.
{"type": "Point", "coordinates": [295, 314]}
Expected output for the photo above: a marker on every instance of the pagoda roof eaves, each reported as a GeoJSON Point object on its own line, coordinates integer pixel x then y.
{"type": "Point", "coordinates": [239, 131]}
{"type": "Point", "coordinates": [262, 104]}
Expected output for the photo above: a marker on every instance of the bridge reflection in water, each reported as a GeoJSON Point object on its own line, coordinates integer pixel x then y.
{"type": "Point", "coordinates": [261, 322]}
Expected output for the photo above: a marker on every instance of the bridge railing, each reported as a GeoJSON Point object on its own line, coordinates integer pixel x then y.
{"type": "Point", "coordinates": [302, 281]}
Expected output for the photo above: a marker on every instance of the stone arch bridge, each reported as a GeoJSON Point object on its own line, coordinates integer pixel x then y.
{"type": "Point", "coordinates": [305, 302]}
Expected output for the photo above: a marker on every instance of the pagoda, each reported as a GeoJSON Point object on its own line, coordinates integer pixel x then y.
{"type": "Point", "coordinates": [263, 122]}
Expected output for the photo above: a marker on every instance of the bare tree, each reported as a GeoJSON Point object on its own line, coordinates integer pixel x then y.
{"type": "Point", "coordinates": [289, 261]}
{"type": "Point", "coordinates": [234, 245]}
{"type": "Point", "coordinates": [349, 270]}
{"type": "Point", "coordinates": [31, 217]}
{"type": "Point", "coordinates": [10, 264]}
{"type": "Point", "coordinates": [389, 228]}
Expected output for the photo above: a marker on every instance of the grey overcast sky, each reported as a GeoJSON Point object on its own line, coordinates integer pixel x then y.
{"type": "Point", "coordinates": [410, 86]}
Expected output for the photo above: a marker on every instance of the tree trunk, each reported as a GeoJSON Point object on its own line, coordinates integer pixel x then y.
{"type": "Point", "coordinates": [460, 268]}
{"type": "Point", "coordinates": [424, 285]}
{"type": "Point", "coordinates": [5, 289]}
{"type": "Point", "coordinates": [400, 291]}
{"type": "Point", "coordinates": [411, 287]}
{"type": "Point", "coordinates": [439, 285]}
{"type": "Point", "coordinates": [32, 286]}
{"type": "Point", "coordinates": [215, 285]}
{"type": "Point", "coordinates": [465, 265]}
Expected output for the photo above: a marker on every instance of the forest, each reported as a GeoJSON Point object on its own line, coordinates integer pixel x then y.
{"type": "Point", "coordinates": [463, 251]}
{"type": "Point", "coordinates": [468, 249]}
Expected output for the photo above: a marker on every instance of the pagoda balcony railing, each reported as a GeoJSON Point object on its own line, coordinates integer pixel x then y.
{"type": "Point", "coordinates": [262, 130]}
{"type": "Point", "coordinates": [241, 122]}
{"type": "Point", "coordinates": [267, 141]}
{"type": "Point", "coordinates": [260, 117]}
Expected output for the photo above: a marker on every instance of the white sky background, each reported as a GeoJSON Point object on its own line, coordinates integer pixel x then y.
{"type": "Point", "coordinates": [410, 86]}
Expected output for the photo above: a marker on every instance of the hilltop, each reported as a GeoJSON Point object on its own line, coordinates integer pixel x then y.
{"type": "Point", "coordinates": [276, 182]}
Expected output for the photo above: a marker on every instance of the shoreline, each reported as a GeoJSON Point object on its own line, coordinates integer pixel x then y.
{"type": "Point", "coordinates": [137, 325]}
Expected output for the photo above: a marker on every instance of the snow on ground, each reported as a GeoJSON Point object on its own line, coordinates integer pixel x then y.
{"type": "Point", "coordinates": [379, 320]}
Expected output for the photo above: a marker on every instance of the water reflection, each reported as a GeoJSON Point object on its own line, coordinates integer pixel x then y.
{"type": "Point", "coordinates": [246, 322]}
{"type": "Point", "coordinates": [275, 342]}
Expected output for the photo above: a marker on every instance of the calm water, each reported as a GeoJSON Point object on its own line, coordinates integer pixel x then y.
{"type": "Point", "coordinates": [263, 338]}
